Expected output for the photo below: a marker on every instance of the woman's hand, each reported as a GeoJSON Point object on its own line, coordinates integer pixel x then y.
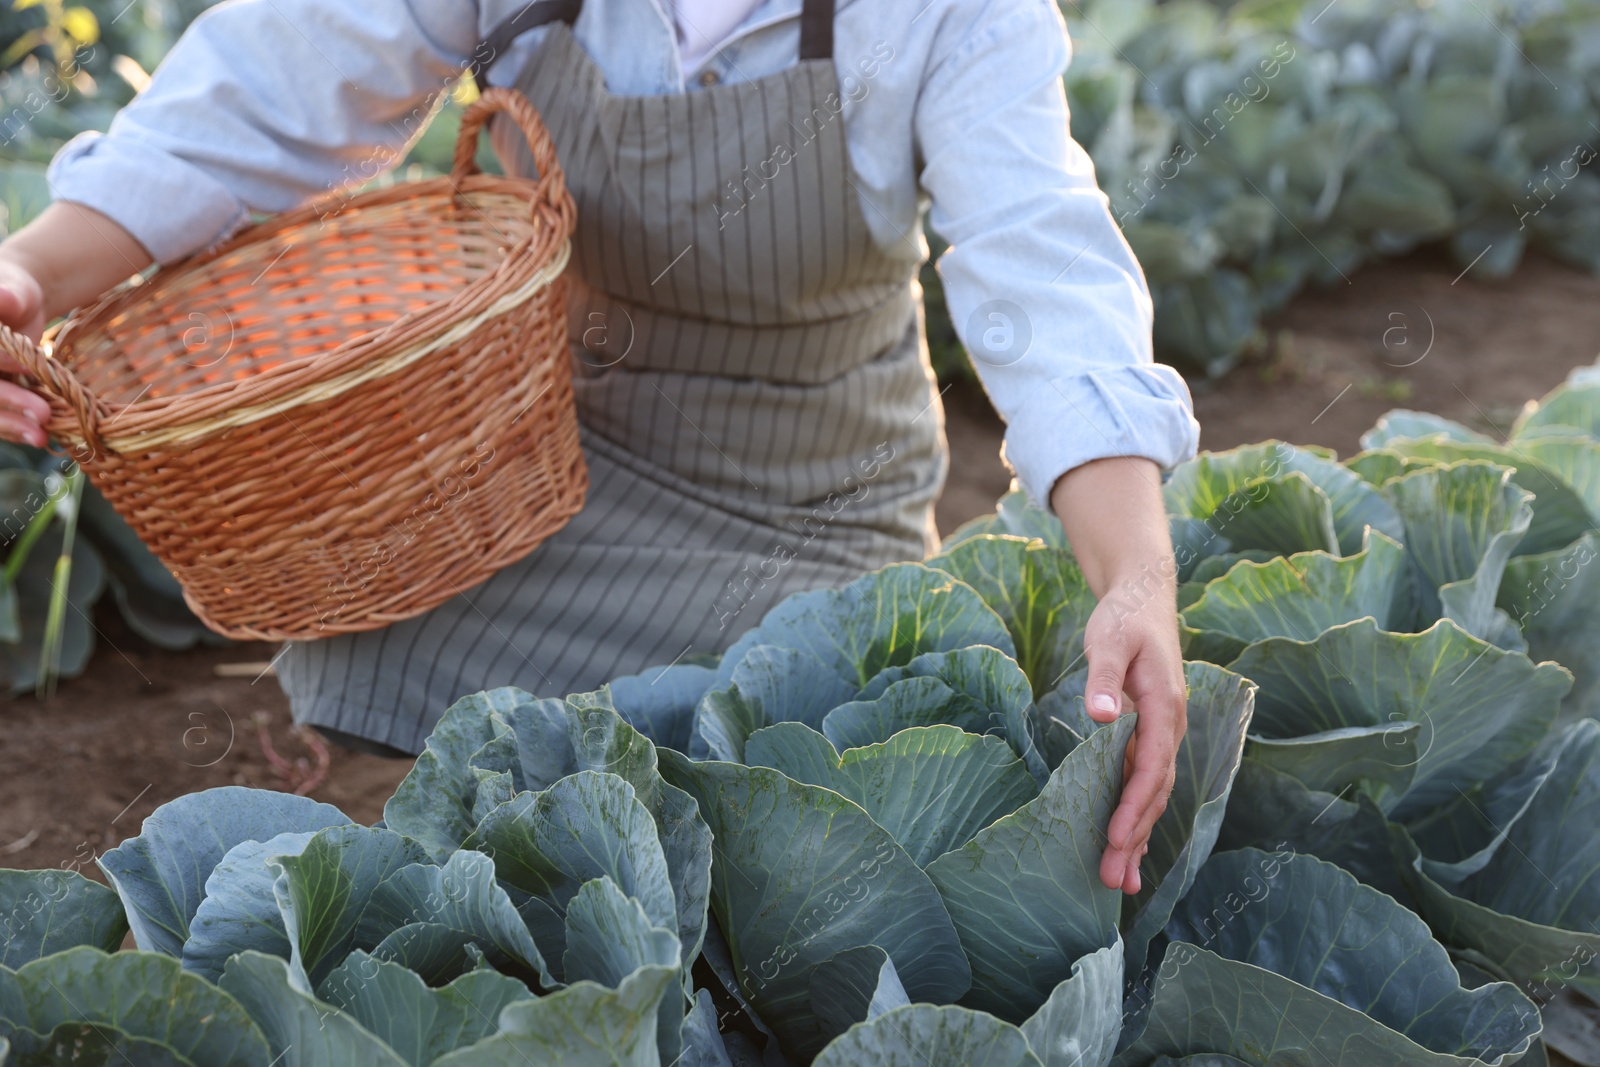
{"type": "Point", "coordinates": [67, 256]}
{"type": "Point", "coordinates": [23, 414]}
{"type": "Point", "coordinates": [1112, 512]}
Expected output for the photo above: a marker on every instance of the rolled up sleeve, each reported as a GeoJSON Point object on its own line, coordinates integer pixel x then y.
{"type": "Point", "coordinates": [261, 105]}
{"type": "Point", "coordinates": [1041, 286]}
{"type": "Point", "coordinates": [138, 185]}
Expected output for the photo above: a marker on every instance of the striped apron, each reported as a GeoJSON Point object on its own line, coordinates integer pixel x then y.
{"type": "Point", "coordinates": [753, 391]}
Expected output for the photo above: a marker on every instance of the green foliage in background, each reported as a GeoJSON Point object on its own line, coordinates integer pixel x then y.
{"type": "Point", "coordinates": [68, 69]}
{"type": "Point", "coordinates": [1250, 149]}
{"type": "Point", "coordinates": [62, 549]}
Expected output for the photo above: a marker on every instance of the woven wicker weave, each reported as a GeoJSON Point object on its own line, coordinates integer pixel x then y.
{"type": "Point", "coordinates": [348, 413]}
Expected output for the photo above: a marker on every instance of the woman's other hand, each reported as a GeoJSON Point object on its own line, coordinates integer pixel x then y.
{"type": "Point", "coordinates": [67, 256]}
{"type": "Point", "coordinates": [1113, 514]}
{"type": "Point", "coordinates": [23, 414]}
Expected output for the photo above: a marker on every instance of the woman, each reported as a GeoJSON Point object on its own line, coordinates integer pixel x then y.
{"type": "Point", "coordinates": [757, 408]}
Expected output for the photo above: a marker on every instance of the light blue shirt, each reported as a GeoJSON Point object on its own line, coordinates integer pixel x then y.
{"type": "Point", "coordinates": [953, 106]}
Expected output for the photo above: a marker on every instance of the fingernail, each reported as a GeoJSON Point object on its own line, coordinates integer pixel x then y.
{"type": "Point", "coordinates": [1103, 702]}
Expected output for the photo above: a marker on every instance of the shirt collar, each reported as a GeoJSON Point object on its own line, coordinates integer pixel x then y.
{"type": "Point", "coordinates": [766, 14]}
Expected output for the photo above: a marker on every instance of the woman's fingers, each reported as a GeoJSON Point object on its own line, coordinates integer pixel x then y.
{"type": "Point", "coordinates": [15, 426]}
{"type": "Point", "coordinates": [1144, 796]}
{"type": "Point", "coordinates": [1114, 868]}
{"type": "Point", "coordinates": [1110, 647]}
{"type": "Point", "coordinates": [1157, 686]}
{"type": "Point", "coordinates": [1132, 880]}
{"type": "Point", "coordinates": [23, 413]}
{"type": "Point", "coordinates": [1112, 512]}
{"type": "Point", "coordinates": [1128, 652]}
{"type": "Point", "coordinates": [26, 402]}
{"type": "Point", "coordinates": [1106, 650]}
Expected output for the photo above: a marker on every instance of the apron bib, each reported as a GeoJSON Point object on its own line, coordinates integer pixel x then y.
{"type": "Point", "coordinates": [753, 391]}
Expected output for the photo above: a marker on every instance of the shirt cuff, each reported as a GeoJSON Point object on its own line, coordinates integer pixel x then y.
{"type": "Point", "coordinates": [1142, 410]}
{"type": "Point", "coordinates": [138, 187]}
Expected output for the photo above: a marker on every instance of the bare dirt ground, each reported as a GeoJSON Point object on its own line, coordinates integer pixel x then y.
{"type": "Point", "coordinates": [79, 771]}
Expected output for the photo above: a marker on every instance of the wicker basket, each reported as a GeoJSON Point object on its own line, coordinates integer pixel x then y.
{"type": "Point", "coordinates": [348, 413]}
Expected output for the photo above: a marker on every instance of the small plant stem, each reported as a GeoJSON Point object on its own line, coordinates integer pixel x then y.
{"type": "Point", "coordinates": [31, 533]}
{"type": "Point", "coordinates": [50, 649]}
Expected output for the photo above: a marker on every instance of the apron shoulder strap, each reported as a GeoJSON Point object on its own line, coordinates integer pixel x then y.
{"type": "Point", "coordinates": [538, 13]}
{"type": "Point", "coordinates": [816, 30]}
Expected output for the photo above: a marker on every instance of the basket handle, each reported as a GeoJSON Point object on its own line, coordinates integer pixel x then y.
{"type": "Point", "coordinates": [57, 383]}
{"type": "Point", "coordinates": [552, 184]}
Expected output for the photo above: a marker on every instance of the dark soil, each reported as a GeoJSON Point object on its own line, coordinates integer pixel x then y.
{"type": "Point", "coordinates": [141, 726]}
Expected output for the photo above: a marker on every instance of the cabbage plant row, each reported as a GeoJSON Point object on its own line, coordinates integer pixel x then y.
{"type": "Point", "coordinates": [869, 832]}
{"type": "Point", "coordinates": [1251, 148]}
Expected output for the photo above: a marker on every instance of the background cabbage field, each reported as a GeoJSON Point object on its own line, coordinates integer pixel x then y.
{"type": "Point", "coordinates": [869, 832]}
{"type": "Point", "coordinates": [1254, 148]}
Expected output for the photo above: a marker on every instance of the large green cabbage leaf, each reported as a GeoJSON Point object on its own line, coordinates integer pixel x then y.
{"type": "Point", "coordinates": [545, 846]}
{"type": "Point", "coordinates": [461, 896]}
{"type": "Point", "coordinates": [1528, 903]}
{"type": "Point", "coordinates": [323, 890]}
{"type": "Point", "coordinates": [919, 1034]}
{"type": "Point", "coordinates": [420, 1024]}
{"type": "Point", "coordinates": [988, 693]}
{"type": "Point", "coordinates": [1462, 522]}
{"type": "Point", "coordinates": [1555, 598]}
{"type": "Point", "coordinates": [1025, 894]}
{"type": "Point", "coordinates": [1037, 590]}
{"type": "Point", "coordinates": [161, 874]}
{"type": "Point", "coordinates": [770, 684]}
{"type": "Point", "coordinates": [1076, 1027]}
{"type": "Point", "coordinates": [42, 912]}
{"type": "Point", "coordinates": [584, 1025]}
{"type": "Point", "coordinates": [931, 787]}
{"type": "Point", "coordinates": [1571, 407]}
{"type": "Point", "coordinates": [1299, 596]}
{"type": "Point", "coordinates": [1251, 498]}
{"type": "Point", "coordinates": [883, 619]}
{"type": "Point", "coordinates": [491, 747]}
{"type": "Point", "coordinates": [1340, 709]}
{"type": "Point", "coordinates": [303, 1031]}
{"type": "Point", "coordinates": [1274, 957]}
{"type": "Point", "coordinates": [803, 874]}
{"type": "Point", "coordinates": [1220, 705]}
{"type": "Point", "coordinates": [240, 910]}
{"type": "Point", "coordinates": [144, 996]}
{"type": "Point", "coordinates": [1560, 513]}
